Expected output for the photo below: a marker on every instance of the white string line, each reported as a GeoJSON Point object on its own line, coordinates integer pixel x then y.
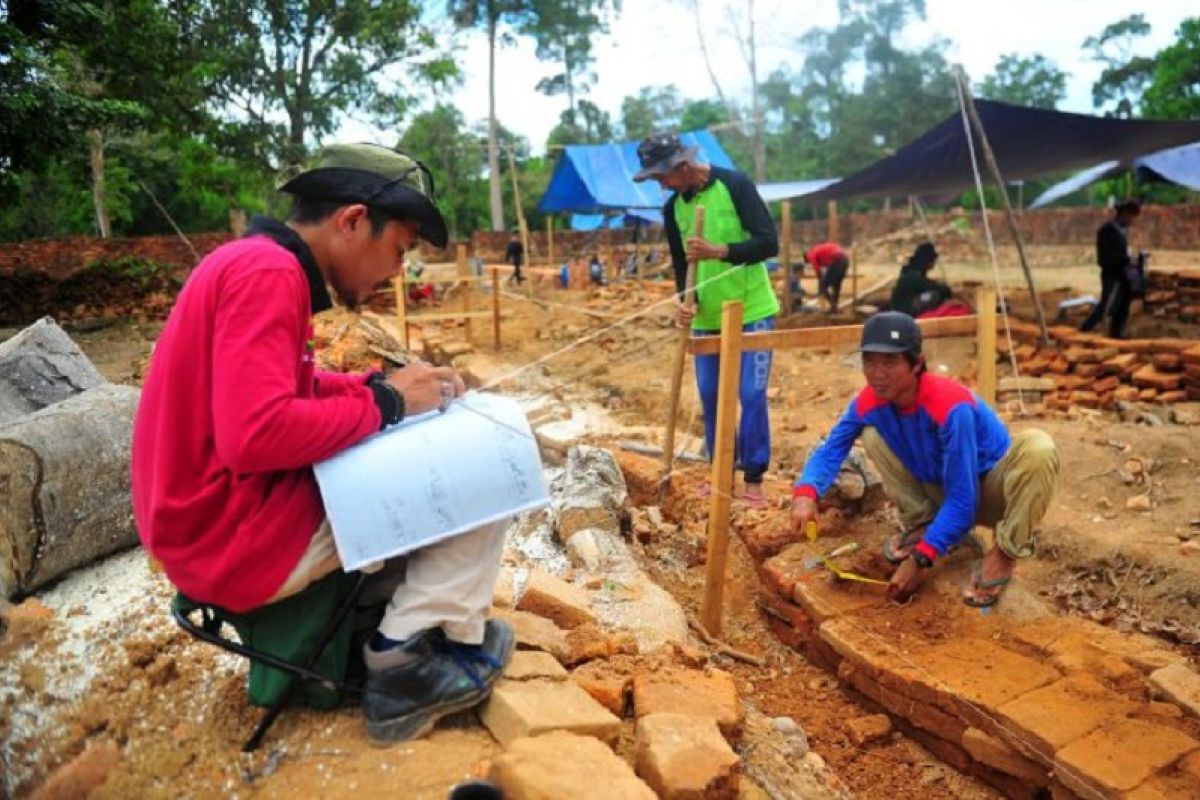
{"type": "Point", "coordinates": [987, 228]}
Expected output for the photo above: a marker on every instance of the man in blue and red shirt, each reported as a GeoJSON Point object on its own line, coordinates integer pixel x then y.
{"type": "Point", "coordinates": [946, 460]}
{"type": "Point", "coordinates": [233, 415]}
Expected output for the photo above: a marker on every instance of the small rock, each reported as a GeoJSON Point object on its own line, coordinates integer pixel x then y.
{"type": "Point", "coordinates": [865, 730]}
{"type": "Point", "coordinates": [1189, 548]}
{"type": "Point", "coordinates": [785, 725]}
{"type": "Point", "coordinates": [1140, 502]}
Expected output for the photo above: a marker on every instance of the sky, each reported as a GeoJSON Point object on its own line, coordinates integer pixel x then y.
{"type": "Point", "coordinates": [654, 42]}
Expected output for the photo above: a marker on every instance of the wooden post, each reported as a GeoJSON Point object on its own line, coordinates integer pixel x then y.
{"type": "Point", "coordinates": [549, 239]}
{"type": "Point", "coordinates": [785, 251]}
{"type": "Point", "coordinates": [968, 102]}
{"type": "Point", "coordinates": [688, 299]}
{"type": "Point", "coordinates": [985, 339]}
{"type": "Point", "coordinates": [496, 309]}
{"type": "Point", "coordinates": [401, 307]}
{"type": "Point", "coordinates": [833, 221]}
{"type": "Point", "coordinates": [464, 271]}
{"type": "Point", "coordinates": [853, 279]}
{"type": "Point", "coordinates": [722, 468]}
{"type": "Point", "coordinates": [512, 171]}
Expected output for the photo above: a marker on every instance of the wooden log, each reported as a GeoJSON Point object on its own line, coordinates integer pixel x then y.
{"type": "Point", "coordinates": [66, 473]}
{"type": "Point", "coordinates": [41, 366]}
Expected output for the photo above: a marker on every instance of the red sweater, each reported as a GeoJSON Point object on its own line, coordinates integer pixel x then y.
{"type": "Point", "coordinates": [232, 416]}
{"type": "Point", "coordinates": [822, 255]}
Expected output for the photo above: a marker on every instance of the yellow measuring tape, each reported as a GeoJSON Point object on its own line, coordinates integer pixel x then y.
{"type": "Point", "coordinates": [847, 575]}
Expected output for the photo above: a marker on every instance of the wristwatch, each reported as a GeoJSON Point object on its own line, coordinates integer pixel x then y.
{"type": "Point", "coordinates": [923, 561]}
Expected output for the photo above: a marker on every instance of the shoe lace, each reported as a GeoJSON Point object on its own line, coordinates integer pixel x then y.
{"type": "Point", "coordinates": [465, 656]}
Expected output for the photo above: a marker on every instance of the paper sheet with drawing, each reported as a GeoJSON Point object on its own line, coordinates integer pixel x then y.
{"type": "Point", "coordinates": [430, 478]}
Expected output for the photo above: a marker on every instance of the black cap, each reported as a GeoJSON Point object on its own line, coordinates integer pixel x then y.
{"type": "Point", "coordinates": [659, 153]}
{"type": "Point", "coordinates": [891, 332]}
{"type": "Point", "coordinates": [376, 176]}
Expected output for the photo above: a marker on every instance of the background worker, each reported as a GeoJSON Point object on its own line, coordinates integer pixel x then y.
{"type": "Point", "coordinates": [1118, 271]}
{"type": "Point", "coordinates": [915, 293]}
{"type": "Point", "coordinates": [233, 416]}
{"type": "Point", "coordinates": [831, 263]}
{"type": "Point", "coordinates": [514, 253]}
{"type": "Point", "coordinates": [946, 460]}
{"type": "Point", "coordinates": [739, 235]}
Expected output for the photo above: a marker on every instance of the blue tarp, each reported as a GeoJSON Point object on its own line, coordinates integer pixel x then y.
{"type": "Point", "coordinates": [592, 179]}
{"type": "Point", "coordinates": [631, 218]}
{"type": "Point", "coordinates": [790, 190]}
{"type": "Point", "coordinates": [1179, 165]}
{"type": "Point", "coordinates": [1027, 142]}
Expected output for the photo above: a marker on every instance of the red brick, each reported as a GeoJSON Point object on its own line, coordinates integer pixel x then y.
{"type": "Point", "coordinates": [925, 716]}
{"type": "Point", "coordinates": [683, 757]}
{"type": "Point", "coordinates": [561, 764]}
{"type": "Point", "coordinates": [1120, 756]}
{"type": "Point", "coordinates": [1180, 684]}
{"type": "Point", "coordinates": [993, 752]}
{"type": "Point", "coordinates": [978, 676]}
{"type": "Point", "coordinates": [705, 693]}
{"type": "Point", "coordinates": [1048, 719]}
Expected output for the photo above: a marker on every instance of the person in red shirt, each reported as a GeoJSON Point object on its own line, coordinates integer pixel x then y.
{"type": "Point", "coordinates": [234, 413]}
{"type": "Point", "coordinates": [831, 263]}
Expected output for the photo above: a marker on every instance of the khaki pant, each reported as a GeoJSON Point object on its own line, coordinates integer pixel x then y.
{"type": "Point", "coordinates": [1013, 496]}
{"type": "Point", "coordinates": [446, 585]}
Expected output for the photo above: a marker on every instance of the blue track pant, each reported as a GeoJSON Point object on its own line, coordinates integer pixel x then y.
{"type": "Point", "coordinates": [753, 443]}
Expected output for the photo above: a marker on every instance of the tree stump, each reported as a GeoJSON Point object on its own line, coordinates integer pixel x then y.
{"type": "Point", "coordinates": [39, 367]}
{"type": "Point", "coordinates": [64, 486]}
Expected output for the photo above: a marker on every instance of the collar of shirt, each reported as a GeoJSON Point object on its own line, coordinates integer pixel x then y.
{"type": "Point", "coordinates": [691, 193]}
{"type": "Point", "coordinates": [288, 239]}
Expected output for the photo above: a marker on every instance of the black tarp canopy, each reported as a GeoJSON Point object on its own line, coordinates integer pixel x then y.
{"type": "Point", "coordinates": [1027, 142]}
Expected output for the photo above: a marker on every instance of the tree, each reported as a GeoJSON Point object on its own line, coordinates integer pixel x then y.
{"type": "Point", "coordinates": [1174, 90]}
{"type": "Point", "coordinates": [310, 62]}
{"type": "Point", "coordinates": [586, 124]}
{"type": "Point", "coordinates": [1125, 75]}
{"type": "Point", "coordinates": [1026, 81]}
{"type": "Point", "coordinates": [651, 109]}
{"type": "Point", "coordinates": [455, 157]}
{"type": "Point", "coordinates": [563, 30]}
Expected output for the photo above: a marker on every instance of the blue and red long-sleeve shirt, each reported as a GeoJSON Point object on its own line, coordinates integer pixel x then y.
{"type": "Point", "coordinates": [948, 437]}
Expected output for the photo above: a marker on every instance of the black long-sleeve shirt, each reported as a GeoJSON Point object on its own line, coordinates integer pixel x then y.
{"type": "Point", "coordinates": [1112, 246]}
{"type": "Point", "coordinates": [763, 241]}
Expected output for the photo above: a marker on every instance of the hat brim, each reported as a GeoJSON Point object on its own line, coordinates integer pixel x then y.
{"type": "Point", "coordinates": [884, 348]}
{"type": "Point", "coordinates": [355, 186]}
{"type": "Point", "coordinates": [662, 167]}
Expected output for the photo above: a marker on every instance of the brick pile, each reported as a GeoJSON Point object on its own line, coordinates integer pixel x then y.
{"type": "Point", "coordinates": [1093, 371]}
{"type": "Point", "coordinates": [1174, 295]}
{"type": "Point", "coordinates": [1035, 705]}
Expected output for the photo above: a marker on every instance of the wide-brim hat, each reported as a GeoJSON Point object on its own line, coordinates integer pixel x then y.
{"type": "Point", "coordinates": [376, 176]}
{"type": "Point", "coordinates": [661, 153]}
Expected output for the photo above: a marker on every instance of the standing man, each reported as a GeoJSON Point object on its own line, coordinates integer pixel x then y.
{"type": "Point", "coordinates": [739, 235]}
{"type": "Point", "coordinates": [946, 460]}
{"type": "Point", "coordinates": [514, 254]}
{"type": "Point", "coordinates": [234, 415]}
{"type": "Point", "coordinates": [1116, 267]}
{"type": "Point", "coordinates": [831, 263]}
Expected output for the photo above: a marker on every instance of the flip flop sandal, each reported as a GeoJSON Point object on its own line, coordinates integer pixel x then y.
{"type": "Point", "coordinates": [907, 539]}
{"type": "Point", "coordinates": [758, 503]}
{"type": "Point", "coordinates": [976, 584]}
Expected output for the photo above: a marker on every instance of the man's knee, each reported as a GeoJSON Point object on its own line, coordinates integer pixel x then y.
{"type": "Point", "coordinates": [1036, 449]}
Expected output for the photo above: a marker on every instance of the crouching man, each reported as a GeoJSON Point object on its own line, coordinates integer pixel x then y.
{"type": "Point", "coordinates": [234, 414]}
{"type": "Point", "coordinates": [946, 460]}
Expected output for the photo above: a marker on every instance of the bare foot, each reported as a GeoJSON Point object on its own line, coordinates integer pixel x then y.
{"type": "Point", "coordinates": [754, 496]}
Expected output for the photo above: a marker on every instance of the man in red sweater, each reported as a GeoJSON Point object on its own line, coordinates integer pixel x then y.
{"type": "Point", "coordinates": [830, 262]}
{"type": "Point", "coordinates": [234, 414]}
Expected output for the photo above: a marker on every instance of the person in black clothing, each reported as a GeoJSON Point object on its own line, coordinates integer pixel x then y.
{"type": "Point", "coordinates": [915, 292]}
{"type": "Point", "coordinates": [514, 254]}
{"type": "Point", "coordinates": [1116, 271]}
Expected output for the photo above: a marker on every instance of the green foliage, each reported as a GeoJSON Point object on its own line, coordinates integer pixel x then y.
{"type": "Point", "coordinates": [1026, 81]}
{"type": "Point", "coordinates": [1174, 90]}
{"type": "Point", "coordinates": [587, 123]}
{"type": "Point", "coordinates": [143, 271]}
{"type": "Point", "coordinates": [563, 31]}
{"type": "Point", "coordinates": [651, 109]}
{"type": "Point", "coordinates": [1125, 75]}
{"type": "Point", "coordinates": [455, 156]}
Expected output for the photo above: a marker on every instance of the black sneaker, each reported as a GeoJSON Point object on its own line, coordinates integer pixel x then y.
{"type": "Point", "coordinates": [439, 677]}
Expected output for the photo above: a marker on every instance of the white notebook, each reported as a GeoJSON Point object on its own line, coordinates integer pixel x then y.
{"type": "Point", "coordinates": [430, 478]}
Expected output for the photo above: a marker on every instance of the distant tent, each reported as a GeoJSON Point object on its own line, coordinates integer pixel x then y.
{"type": "Point", "coordinates": [1028, 142]}
{"type": "Point", "coordinates": [770, 192]}
{"type": "Point", "coordinates": [592, 179]}
{"type": "Point", "coordinates": [1178, 165]}
{"type": "Point", "coordinates": [631, 217]}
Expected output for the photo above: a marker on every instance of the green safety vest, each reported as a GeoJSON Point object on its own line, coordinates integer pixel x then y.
{"type": "Point", "coordinates": [749, 283]}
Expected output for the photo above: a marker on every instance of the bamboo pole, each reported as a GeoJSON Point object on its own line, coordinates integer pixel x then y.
{"type": "Point", "coordinates": [550, 239]}
{"type": "Point", "coordinates": [985, 338]}
{"type": "Point", "coordinates": [464, 271]}
{"type": "Point", "coordinates": [688, 299]}
{"type": "Point", "coordinates": [968, 102]}
{"type": "Point", "coordinates": [853, 279]}
{"type": "Point", "coordinates": [833, 221]}
{"type": "Point", "coordinates": [722, 468]}
{"type": "Point", "coordinates": [496, 309]}
{"type": "Point", "coordinates": [401, 309]}
{"type": "Point", "coordinates": [512, 172]}
{"type": "Point", "coordinates": [785, 249]}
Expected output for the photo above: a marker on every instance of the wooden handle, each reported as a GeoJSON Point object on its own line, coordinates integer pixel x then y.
{"type": "Point", "coordinates": [689, 285]}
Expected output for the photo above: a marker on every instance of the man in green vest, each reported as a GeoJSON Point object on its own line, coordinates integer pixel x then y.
{"type": "Point", "coordinates": [739, 235]}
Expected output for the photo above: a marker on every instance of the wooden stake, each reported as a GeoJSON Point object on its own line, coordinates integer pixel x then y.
{"type": "Point", "coordinates": [833, 221]}
{"type": "Point", "coordinates": [969, 104]}
{"type": "Point", "coordinates": [512, 171]}
{"type": "Point", "coordinates": [853, 278]}
{"type": "Point", "coordinates": [722, 469]}
{"type": "Point", "coordinates": [464, 271]}
{"type": "Point", "coordinates": [685, 334]}
{"type": "Point", "coordinates": [785, 250]}
{"type": "Point", "coordinates": [401, 309]}
{"type": "Point", "coordinates": [550, 239]}
{"type": "Point", "coordinates": [496, 309]}
{"type": "Point", "coordinates": [985, 338]}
